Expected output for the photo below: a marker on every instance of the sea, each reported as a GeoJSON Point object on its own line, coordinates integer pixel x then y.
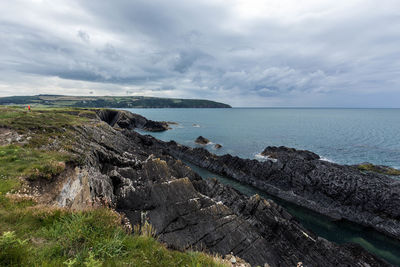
{"type": "Point", "coordinates": [345, 136]}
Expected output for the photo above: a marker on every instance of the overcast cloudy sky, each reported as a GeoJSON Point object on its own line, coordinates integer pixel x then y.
{"type": "Point", "coordinates": [343, 53]}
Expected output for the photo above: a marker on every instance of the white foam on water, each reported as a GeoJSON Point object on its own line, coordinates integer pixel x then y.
{"type": "Point", "coordinates": [196, 125]}
{"type": "Point", "coordinates": [260, 157]}
{"type": "Point", "coordinates": [326, 159]}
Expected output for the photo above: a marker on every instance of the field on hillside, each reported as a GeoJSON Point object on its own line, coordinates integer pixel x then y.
{"type": "Point", "coordinates": [109, 102]}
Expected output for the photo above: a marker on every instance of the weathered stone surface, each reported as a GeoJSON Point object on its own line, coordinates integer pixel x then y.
{"type": "Point", "coordinates": [337, 191]}
{"type": "Point", "coordinates": [138, 176]}
{"type": "Point", "coordinates": [128, 120]}
{"type": "Point", "coordinates": [8, 136]}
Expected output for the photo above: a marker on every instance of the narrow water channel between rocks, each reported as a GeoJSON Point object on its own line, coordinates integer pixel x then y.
{"type": "Point", "coordinates": [336, 231]}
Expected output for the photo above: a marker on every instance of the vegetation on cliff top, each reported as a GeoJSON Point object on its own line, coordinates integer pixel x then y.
{"type": "Point", "coordinates": [110, 102]}
{"type": "Point", "coordinates": [37, 235]}
{"type": "Point", "coordinates": [378, 169]}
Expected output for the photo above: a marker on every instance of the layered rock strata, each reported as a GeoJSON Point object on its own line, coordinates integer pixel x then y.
{"type": "Point", "coordinates": [138, 176]}
{"type": "Point", "coordinates": [301, 177]}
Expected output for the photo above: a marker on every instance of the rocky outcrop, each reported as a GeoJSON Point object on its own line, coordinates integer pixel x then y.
{"type": "Point", "coordinates": [127, 120]}
{"type": "Point", "coordinates": [218, 146]}
{"type": "Point", "coordinates": [9, 136]}
{"type": "Point", "coordinates": [337, 191]}
{"type": "Point", "coordinates": [138, 176]}
{"type": "Point", "coordinates": [202, 140]}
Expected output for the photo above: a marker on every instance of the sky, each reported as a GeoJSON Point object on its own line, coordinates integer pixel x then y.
{"type": "Point", "coordinates": [247, 53]}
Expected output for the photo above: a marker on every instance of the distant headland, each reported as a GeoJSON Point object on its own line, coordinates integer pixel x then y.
{"type": "Point", "coordinates": [110, 102]}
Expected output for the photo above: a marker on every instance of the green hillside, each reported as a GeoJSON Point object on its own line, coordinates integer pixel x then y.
{"type": "Point", "coordinates": [109, 102]}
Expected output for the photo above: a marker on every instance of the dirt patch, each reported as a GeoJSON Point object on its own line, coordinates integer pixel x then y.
{"type": "Point", "coordinates": [46, 191]}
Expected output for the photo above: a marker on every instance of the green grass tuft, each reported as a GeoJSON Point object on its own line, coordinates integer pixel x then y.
{"type": "Point", "coordinates": [13, 250]}
{"type": "Point", "coordinates": [17, 161]}
{"type": "Point", "coordinates": [373, 168]}
{"type": "Point", "coordinates": [55, 237]}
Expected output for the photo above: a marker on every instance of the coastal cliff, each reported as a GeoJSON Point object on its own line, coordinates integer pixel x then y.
{"type": "Point", "coordinates": [143, 179]}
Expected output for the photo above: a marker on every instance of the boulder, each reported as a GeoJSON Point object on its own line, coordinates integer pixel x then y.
{"type": "Point", "coordinates": [202, 140]}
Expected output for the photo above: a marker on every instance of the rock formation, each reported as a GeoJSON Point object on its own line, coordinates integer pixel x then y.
{"type": "Point", "coordinates": [140, 176]}
{"type": "Point", "coordinates": [127, 120]}
{"type": "Point", "coordinates": [338, 191]}
{"type": "Point", "coordinates": [202, 140]}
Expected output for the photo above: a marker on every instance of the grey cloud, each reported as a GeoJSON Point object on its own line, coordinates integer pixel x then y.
{"type": "Point", "coordinates": [205, 49]}
{"type": "Point", "coordinates": [186, 59]}
{"type": "Point", "coordinates": [84, 36]}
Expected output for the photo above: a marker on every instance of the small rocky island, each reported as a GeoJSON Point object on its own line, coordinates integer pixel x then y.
{"type": "Point", "coordinates": [217, 146]}
{"type": "Point", "coordinates": [144, 180]}
{"type": "Point", "coordinates": [202, 140]}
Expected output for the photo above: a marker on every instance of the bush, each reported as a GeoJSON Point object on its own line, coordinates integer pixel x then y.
{"type": "Point", "coordinates": [12, 250]}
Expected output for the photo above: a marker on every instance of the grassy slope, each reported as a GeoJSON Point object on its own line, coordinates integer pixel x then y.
{"type": "Point", "coordinates": [110, 102]}
{"type": "Point", "coordinates": [33, 235]}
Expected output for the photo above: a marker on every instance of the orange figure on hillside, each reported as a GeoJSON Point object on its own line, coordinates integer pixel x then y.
{"type": "Point", "coordinates": [29, 107]}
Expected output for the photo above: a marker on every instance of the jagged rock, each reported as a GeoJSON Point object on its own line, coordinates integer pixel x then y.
{"type": "Point", "coordinates": [143, 180]}
{"type": "Point", "coordinates": [286, 153]}
{"type": "Point", "coordinates": [202, 140]}
{"type": "Point", "coordinates": [300, 177]}
{"type": "Point", "coordinates": [217, 146]}
{"type": "Point", "coordinates": [128, 120]}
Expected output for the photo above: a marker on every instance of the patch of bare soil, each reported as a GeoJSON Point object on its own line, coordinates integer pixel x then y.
{"type": "Point", "coordinates": [45, 191]}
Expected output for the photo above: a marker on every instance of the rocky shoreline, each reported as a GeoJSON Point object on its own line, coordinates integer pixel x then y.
{"type": "Point", "coordinates": [143, 178]}
{"type": "Point", "coordinates": [301, 177]}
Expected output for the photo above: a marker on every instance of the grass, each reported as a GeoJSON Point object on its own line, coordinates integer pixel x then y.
{"type": "Point", "coordinates": [47, 119]}
{"type": "Point", "coordinates": [36, 235]}
{"type": "Point", "coordinates": [372, 168]}
{"type": "Point", "coordinates": [17, 161]}
{"type": "Point", "coordinates": [46, 125]}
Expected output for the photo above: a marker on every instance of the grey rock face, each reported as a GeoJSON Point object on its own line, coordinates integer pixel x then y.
{"type": "Point", "coordinates": [127, 120]}
{"type": "Point", "coordinates": [144, 180]}
{"type": "Point", "coordinates": [337, 191]}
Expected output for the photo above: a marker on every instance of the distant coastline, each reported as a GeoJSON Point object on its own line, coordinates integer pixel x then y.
{"type": "Point", "coordinates": [110, 102]}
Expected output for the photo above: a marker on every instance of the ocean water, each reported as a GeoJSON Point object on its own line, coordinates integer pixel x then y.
{"type": "Point", "coordinates": [346, 136]}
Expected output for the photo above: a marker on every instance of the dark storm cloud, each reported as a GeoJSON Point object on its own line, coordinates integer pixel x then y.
{"type": "Point", "coordinates": [246, 53]}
